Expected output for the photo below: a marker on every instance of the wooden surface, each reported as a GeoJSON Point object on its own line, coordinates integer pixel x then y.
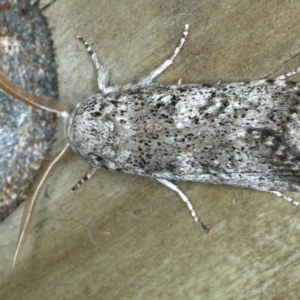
{"type": "Point", "coordinates": [126, 237]}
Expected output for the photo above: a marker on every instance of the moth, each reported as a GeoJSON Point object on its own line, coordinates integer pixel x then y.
{"type": "Point", "coordinates": [242, 134]}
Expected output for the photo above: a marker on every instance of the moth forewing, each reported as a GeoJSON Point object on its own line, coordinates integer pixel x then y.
{"type": "Point", "coordinates": [242, 134]}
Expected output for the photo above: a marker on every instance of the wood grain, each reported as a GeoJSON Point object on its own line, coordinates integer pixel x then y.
{"type": "Point", "coordinates": [125, 237]}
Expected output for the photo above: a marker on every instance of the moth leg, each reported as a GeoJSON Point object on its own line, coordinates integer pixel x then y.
{"type": "Point", "coordinates": [102, 71]}
{"type": "Point", "coordinates": [286, 198]}
{"type": "Point", "coordinates": [86, 177]}
{"type": "Point", "coordinates": [168, 62]}
{"type": "Point", "coordinates": [285, 76]}
{"type": "Point", "coordinates": [43, 8]}
{"type": "Point", "coordinates": [184, 198]}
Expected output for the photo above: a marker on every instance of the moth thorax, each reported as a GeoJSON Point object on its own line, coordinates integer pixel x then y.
{"type": "Point", "coordinates": [91, 132]}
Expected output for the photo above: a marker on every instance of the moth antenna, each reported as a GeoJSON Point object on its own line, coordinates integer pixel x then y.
{"type": "Point", "coordinates": [33, 193]}
{"type": "Point", "coordinates": [29, 98]}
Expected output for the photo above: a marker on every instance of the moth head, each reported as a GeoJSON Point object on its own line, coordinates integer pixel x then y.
{"type": "Point", "coordinates": [91, 132]}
